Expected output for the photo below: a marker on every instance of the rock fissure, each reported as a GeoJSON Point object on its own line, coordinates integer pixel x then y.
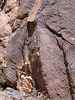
{"type": "Point", "coordinates": [57, 34]}
{"type": "Point", "coordinates": [68, 75]}
{"type": "Point", "coordinates": [67, 69]}
{"type": "Point", "coordinates": [23, 52]}
{"type": "Point", "coordinates": [34, 59]}
{"type": "Point", "coordinates": [64, 55]}
{"type": "Point", "coordinates": [12, 61]}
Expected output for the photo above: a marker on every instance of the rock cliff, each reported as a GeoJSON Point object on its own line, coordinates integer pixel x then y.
{"type": "Point", "coordinates": [37, 49]}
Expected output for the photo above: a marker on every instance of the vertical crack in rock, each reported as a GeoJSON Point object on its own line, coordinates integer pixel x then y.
{"type": "Point", "coordinates": [66, 65]}
{"type": "Point", "coordinates": [64, 54]}
{"type": "Point", "coordinates": [68, 75]}
{"type": "Point", "coordinates": [37, 75]}
{"type": "Point", "coordinates": [34, 58]}
{"type": "Point", "coordinates": [23, 52]}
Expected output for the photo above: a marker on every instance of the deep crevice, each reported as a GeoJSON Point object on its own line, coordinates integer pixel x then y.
{"type": "Point", "coordinates": [23, 52]}
{"type": "Point", "coordinates": [68, 75]}
{"type": "Point", "coordinates": [60, 46]}
{"type": "Point", "coordinates": [38, 77]}
{"type": "Point", "coordinates": [31, 27]}
{"type": "Point", "coordinates": [67, 71]}
{"type": "Point", "coordinates": [36, 64]}
{"type": "Point", "coordinates": [64, 54]}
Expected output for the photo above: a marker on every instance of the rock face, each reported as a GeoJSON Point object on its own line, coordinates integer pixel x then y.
{"type": "Point", "coordinates": [10, 94]}
{"type": "Point", "coordinates": [37, 47]}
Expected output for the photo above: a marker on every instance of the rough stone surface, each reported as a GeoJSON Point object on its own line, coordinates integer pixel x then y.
{"type": "Point", "coordinates": [37, 48]}
{"type": "Point", "coordinates": [4, 96]}
{"type": "Point", "coordinates": [10, 94]}
{"type": "Point", "coordinates": [5, 28]}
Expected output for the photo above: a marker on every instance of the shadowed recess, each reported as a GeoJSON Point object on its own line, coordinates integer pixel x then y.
{"type": "Point", "coordinates": [31, 27]}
